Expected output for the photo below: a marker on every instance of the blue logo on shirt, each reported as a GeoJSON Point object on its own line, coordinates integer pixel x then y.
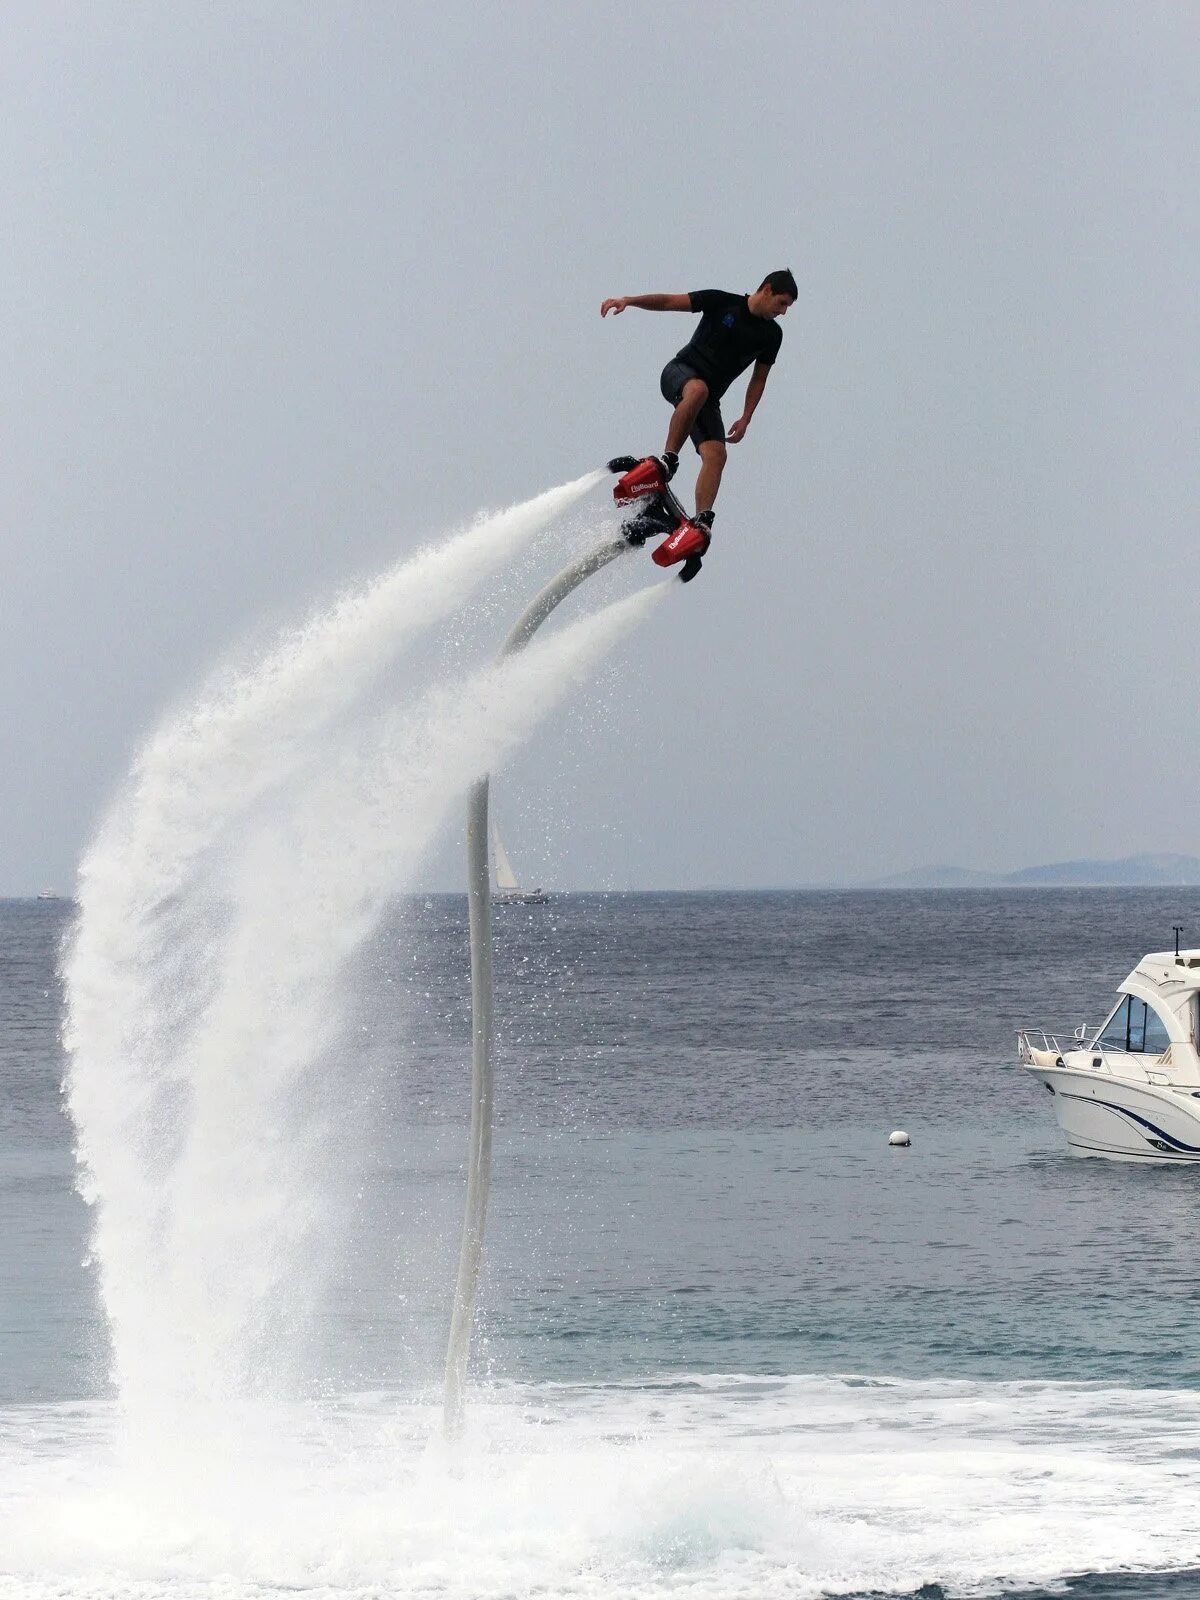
{"type": "Point", "coordinates": [727, 320]}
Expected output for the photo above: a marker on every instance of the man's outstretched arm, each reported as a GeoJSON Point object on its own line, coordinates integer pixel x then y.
{"type": "Point", "coordinates": [754, 393]}
{"type": "Point", "coordinates": [648, 302]}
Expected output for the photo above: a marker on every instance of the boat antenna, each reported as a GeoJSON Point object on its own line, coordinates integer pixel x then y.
{"type": "Point", "coordinates": [1178, 931]}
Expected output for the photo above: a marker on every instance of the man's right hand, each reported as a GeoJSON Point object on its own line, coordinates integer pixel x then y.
{"type": "Point", "coordinates": [615, 306]}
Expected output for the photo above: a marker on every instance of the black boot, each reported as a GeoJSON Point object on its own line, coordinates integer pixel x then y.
{"type": "Point", "coordinates": [689, 569]}
{"type": "Point", "coordinates": [670, 461]}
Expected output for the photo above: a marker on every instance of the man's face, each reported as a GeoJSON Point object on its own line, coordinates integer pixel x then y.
{"type": "Point", "coordinates": [775, 305]}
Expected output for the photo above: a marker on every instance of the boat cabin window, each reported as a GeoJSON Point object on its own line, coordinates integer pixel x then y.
{"type": "Point", "coordinates": [1157, 1039]}
{"type": "Point", "coordinates": [1116, 1029]}
{"type": "Point", "coordinates": [1135, 1027]}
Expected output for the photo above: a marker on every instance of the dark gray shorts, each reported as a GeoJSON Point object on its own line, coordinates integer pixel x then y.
{"type": "Point", "coordinates": [709, 424]}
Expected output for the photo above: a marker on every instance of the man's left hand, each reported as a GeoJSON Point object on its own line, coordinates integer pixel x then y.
{"type": "Point", "coordinates": [738, 432]}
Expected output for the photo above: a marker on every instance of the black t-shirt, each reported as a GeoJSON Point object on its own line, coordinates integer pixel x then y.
{"type": "Point", "coordinates": [728, 339]}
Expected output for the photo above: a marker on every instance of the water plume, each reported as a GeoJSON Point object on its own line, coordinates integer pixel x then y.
{"type": "Point", "coordinates": [264, 832]}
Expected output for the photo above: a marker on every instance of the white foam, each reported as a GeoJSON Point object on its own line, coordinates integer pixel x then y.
{"type": "Point", "coordinates": [702, 1487]}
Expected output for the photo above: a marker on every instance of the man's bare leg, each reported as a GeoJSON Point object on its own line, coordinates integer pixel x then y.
{"type": "Point", "coordinates": [712, 465]}
{"type": "Point", "coordinates": [683, 418]}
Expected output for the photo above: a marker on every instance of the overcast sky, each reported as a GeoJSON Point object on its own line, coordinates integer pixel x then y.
{"type": "Point", "coordinates": [287, 287]}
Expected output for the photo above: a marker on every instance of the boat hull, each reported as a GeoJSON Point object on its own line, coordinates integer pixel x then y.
{"type": "Point", "coordinates": [1120, 1120]}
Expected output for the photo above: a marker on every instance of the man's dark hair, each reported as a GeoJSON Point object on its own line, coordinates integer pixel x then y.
{"type": "Point", "coordinates": [781, 283]}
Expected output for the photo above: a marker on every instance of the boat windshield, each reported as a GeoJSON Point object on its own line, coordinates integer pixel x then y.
{"type": "Point", "coordinates": [1134, 1027]}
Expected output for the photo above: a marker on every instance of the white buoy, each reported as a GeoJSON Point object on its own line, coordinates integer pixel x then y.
{"type": "Point", "coordinates": [900, 1139]}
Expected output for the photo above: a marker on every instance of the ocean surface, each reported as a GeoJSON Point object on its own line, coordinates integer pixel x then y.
{"type": "Point", "coordinates": [730, 1343]}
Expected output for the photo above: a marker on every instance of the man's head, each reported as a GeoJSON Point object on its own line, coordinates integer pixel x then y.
{"type": "Point", "coordinates": [774, 294]}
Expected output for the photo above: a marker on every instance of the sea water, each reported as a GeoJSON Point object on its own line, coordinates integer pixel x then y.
{"type": "Point", "coordinates": [730, 1343]}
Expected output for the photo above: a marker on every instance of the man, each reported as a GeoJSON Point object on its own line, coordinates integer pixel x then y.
{"type": "Point", "coordinates": [734, 330]}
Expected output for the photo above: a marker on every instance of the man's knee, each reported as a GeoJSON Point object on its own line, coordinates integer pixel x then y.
{"type": "Point", "coordinates": [695, 392]}
{"type": "Point", "coordinates": [713, 454]}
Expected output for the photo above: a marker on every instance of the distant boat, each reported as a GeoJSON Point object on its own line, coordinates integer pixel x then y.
{"type": "Point", "coordinates": [508, 891]}
{"type": "Point", "coordinates": [48, 894]}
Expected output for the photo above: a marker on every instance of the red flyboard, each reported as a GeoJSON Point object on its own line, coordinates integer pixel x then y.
{"type": "Point", "coordinates": [645, 478]}
{"type": "Point", "coordinates": [687, 540]}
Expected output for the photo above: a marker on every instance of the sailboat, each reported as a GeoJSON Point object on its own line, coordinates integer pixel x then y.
{"type": "Point", "coordinates": [508, 891]}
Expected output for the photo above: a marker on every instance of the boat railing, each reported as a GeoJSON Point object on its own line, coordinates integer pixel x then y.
{"type": "Point", "coordinates": [1031, 1039]}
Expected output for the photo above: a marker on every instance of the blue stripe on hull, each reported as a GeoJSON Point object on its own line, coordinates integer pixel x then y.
{"type": "Point", "coordinates": [1177, 1145]}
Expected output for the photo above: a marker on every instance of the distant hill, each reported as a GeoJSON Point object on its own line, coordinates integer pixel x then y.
{"type": "Point", "coordinates": [1131, 872]}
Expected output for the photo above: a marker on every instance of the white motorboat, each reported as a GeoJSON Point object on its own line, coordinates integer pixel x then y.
{"type": "Point", "coordinates": [1130, 1089]}
{"type": "Point", "coordinates": [508, 891]}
